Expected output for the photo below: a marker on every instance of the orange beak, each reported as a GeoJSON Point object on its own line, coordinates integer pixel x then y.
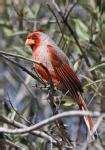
{"type": "Point", "coordinates": [29, 42]}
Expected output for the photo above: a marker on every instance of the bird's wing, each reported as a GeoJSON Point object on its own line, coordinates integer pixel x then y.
{"type": "Point", "coordinates": [69, 79]}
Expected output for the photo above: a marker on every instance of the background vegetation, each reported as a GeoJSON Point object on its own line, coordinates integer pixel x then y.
{"type": "Point", "coordinates": [78, 27]}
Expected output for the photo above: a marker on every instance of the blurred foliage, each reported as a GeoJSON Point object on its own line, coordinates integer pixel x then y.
{"type": "Point", "coordinates": [17, 18]}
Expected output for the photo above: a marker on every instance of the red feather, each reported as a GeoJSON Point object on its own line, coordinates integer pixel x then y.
{"type": "Point", "coordinates": [46, 52]}
{"type": "Point", "coordinates": [68, 78]}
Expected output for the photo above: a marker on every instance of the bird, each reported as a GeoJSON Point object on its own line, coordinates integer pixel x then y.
{"type": "Point", "coordinates": [46, 52]}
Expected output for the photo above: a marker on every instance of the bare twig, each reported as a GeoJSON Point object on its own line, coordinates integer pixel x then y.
{"type": "Point", "coordinates": [20, 125]}
{"type": "Point", "coordinates": [27, 121]}
{"type": "Point", "coordinates": [2, 54]}
{"type": "Point", "coordinates": [23, 68]}
{"type": "Point", "coordinates": [50, 120]}
{"type": "Point", "coordinates": [70, 9]}
{"type": "Point", "coordinates": [25, 85]}
{"type": "Point", "coordinates": [57, 23]}
{"type": "Point", "coordinates": [71, 31]}
{"type": "Point", "coordinates": [56, 19]}
{"type": "Point", "coordinates": [59, 123]}
{"type": "Point", "coordinates": [17, 56]}
{"type": "Point", "coordinates": [11, 144]}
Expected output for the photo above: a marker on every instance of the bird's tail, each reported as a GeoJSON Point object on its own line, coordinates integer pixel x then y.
{"type": "Point", "coordinates": [88, 119]}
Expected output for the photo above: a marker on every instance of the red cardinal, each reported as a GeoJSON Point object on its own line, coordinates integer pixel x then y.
{"type": "Point", "coordinates": [46, 52]}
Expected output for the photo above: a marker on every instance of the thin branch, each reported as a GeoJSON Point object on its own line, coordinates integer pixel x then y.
{"type": "Point", "coordinates": [70, 9]}
{"type": "Point", "coordinates": [25, 85]}
{"type": "Point", "coordinates": [71, 31]}
{"type": "Point", "coordinates": [56, 19]}
{"type": "Point", "coordinates": [57, 23]}
{"type": "Point", "coordinates": [50, 120]}
{"type": "Point", "coordinates": [20, 125]}
{"type": "Point", "coordinates": [19, 57]}
{"type": "Point", "coordinates": [27, 121]}
{"type": "Point", "coordinates": [11, 144]}
{"type": "Point", "coordinates": [97, 92]}
{"type": "Point", "coordinates": [26, 70]}
{"type": "Point", "coordinates": [23, 69]}
{"type": "Point", "coordinates": [59, 123]}
{"type": "Point", "coordinates": [97, 81]}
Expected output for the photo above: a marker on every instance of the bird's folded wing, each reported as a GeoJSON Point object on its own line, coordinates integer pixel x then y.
{"type": "Point", "coordinates": [68, 78]}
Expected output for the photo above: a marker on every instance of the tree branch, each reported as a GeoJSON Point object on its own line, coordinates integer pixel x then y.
{"type": "Point", "coordinates": [20, 125]}
{"type": "Point", "coordinates": [23, 68]}
{"type": "Point", "coordinates": [50, 120]}
{"type": "Point", "coordinates": [4, 54]}
{"type": "Point", "coordinates": [64, 19]}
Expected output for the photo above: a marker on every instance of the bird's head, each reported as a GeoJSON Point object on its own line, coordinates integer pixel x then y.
{"type": "Point", "coordinates": [33, 39]}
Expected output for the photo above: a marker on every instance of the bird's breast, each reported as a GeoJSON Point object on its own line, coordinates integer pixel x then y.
{"type": "Point", "coordinates": [40, 55]}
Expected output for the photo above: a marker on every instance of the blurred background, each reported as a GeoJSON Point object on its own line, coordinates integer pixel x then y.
{"type": "Point", "coordinates": [23, 98]}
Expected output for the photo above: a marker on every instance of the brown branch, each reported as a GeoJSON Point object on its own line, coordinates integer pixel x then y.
{"type": "Point", "coordinates": [57, 23]}
{"type": "Point", "coordinates": [27, 121]}
{"type": "Point", "coordinates": [49, 81]}
{"type": "Point", "coordinates": [59, 123]}
{"type": "Point", "coordinates": [71, 31]}
{"type": "Point", "coordinates": [70, 9]}
{"type": "Point", "coordinates": [4, 54]}
{"type": "Point", "coordinates": [20, 66]}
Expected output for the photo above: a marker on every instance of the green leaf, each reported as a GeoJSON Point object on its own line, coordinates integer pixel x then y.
{"type": "Point", "coordinates": [81, 30]}
{"type": "Point", "coordinates": [76, 65]}
{"type": "Point", "coordinates": [7, 31]}
{"type": "Point", "coordinates": [68, 104]}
